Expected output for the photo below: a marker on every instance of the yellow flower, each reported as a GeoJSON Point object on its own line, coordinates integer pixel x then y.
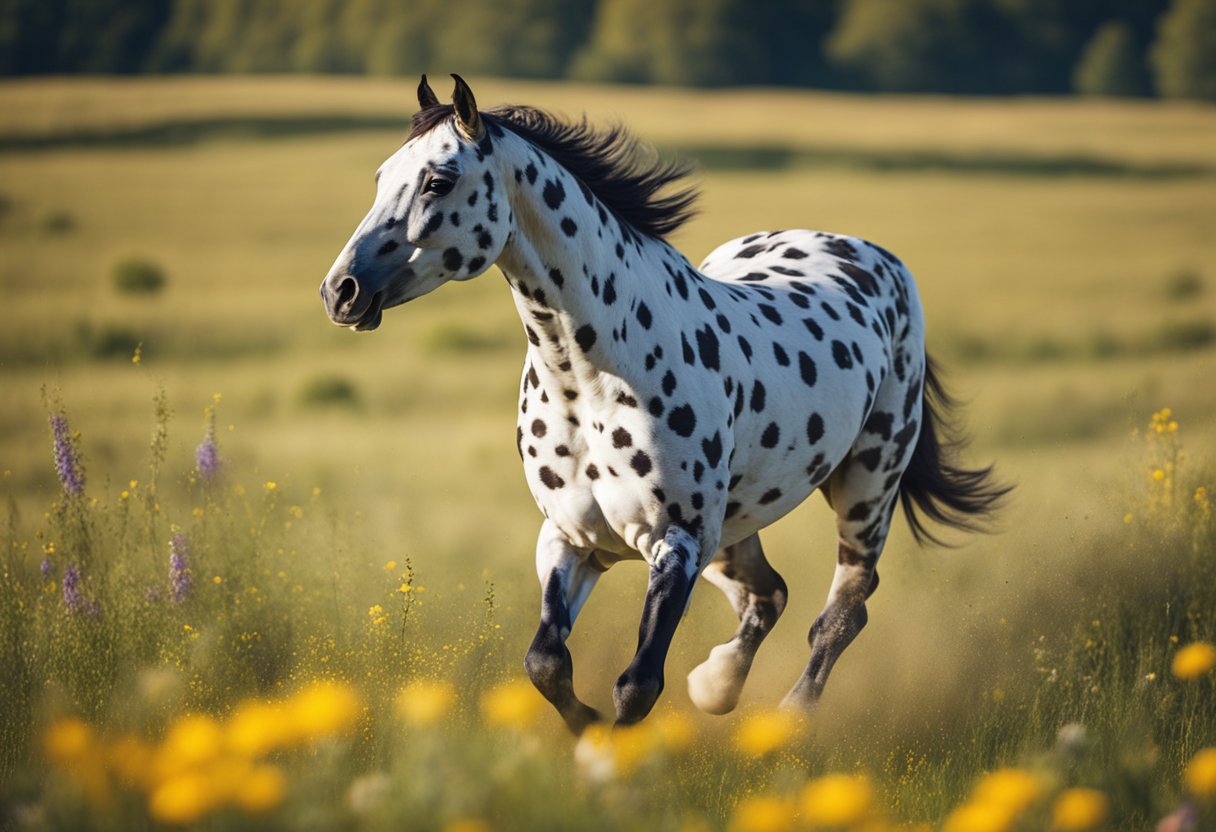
{"type": "Point", "coordinates": [1079, 809]}
{"type": "Point", "coordinates": [762, 814]}
{"type": "Point", "coordinates": [468, 825]}
{"type": "Point", "coordinates": [1158, 475]}
{"type": "Point", "coordinates": [425, 703]}
{"type": "Point", "coordinates": [67, 741]}
{"type": "Point", "coordinates": [271, 485]}
{"type": "Point", "coordinates": [217, 580]}
{"type": "Point", "coordinates": [323, 709]}
{"type": "Point", "coordinates": [192, 740]}
{"type": "Point", "coordinates": [182, 800]}
{"type": "Point", "coordinates": [837, 800]}
{"type": "Point", "coordinates": [256, 728]}
{"type": "Point", "coordinates": [1200, 774]}
{"type": "Point", "coordinates": [262, 789]}
{"type": "Point", "coordinates": [390, 566]}
{"type": "Point", "coordinates": [673, 730]}
{"type": "Point", "coordinates": [1194, 660]}
{"type": "Point", "coordinates": [131, 759]}
{"type": "Point", "coordinates": [514, 704]}
{"type": "Point", "coordinates": [979, 817]}
{"type": "Point", "coordinates": [764, 731]}
{"type": "Point", "coordinates": [1128, 518]}
{"type": "Point", "coordinates": [1012, 788]}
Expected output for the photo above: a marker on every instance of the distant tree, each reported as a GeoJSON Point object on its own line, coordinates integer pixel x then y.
{"type": "Point", "coordinates": [1184, 54]}
{"type": "Point", "coordinates": [707, 42]}
{"type": "Point", "coordinates": [917, 45]}
{"type": "Point", "coordinates": [1111, 64]}
{"type": "Point", "coordinates": [528, 38]}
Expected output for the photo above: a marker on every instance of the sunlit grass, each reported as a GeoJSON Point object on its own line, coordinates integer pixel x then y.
{"type": "Point", "coordinates": [1049, 650]}
{"type": "Point", "coordinates": [265, 687]}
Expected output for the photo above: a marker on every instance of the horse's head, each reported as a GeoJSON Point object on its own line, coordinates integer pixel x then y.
{"type": "Point", "coordinates": [439, 215]}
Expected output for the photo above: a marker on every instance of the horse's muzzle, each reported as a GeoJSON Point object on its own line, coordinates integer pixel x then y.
{"type": "Point", "coordinates": [349, 303]}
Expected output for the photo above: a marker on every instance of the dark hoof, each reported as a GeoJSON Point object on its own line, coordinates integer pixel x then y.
{"type": "Point", "coordinates": [579, 716]}
{"type": "Point", "coordinates": [634, 696]}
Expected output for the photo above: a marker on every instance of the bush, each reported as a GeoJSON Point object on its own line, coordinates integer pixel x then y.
{"type": "Point", "coordinates": [136, 276]}
{"type": "Point", "coordinates": [326, 390]}
{"type": "Point", "coordinates": [57, 222]}
{"type": "Point", "coordinates": [1184, 285]}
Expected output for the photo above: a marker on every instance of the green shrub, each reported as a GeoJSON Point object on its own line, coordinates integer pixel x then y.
{"type": "Point", "coordinates": [330, 389]}
{"type": "Point", "coordinates": [1184, 285]}
{"type": "Point", "coordinates": [137, 276]}
{"type": "Point", "coordinates": [57, 222]}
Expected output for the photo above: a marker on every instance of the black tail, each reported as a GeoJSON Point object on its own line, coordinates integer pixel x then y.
{"type": "Point", "coordinates": [933, 484]}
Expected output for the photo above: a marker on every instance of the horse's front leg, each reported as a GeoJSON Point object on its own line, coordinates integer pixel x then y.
{"type": "Point", "coordinates": [673, 572]}
{"type": "Point", "coordinates": [566, 579]}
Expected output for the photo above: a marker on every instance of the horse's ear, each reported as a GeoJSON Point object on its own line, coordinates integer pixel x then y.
{"type": "Point", "coordinates": [426, 96]}
{"type": "Point", "coordinates": [468, 120]}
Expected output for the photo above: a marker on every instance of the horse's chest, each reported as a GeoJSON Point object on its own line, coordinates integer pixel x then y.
{"type": "Point", "coordinates": [587, 468]}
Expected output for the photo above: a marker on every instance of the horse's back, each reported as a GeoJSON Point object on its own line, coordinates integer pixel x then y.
{"type": "Point", "coordinates": [851, 334]}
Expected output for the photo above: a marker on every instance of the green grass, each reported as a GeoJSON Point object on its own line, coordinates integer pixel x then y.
{"type": "Point", "coordinates": [1052, 293]}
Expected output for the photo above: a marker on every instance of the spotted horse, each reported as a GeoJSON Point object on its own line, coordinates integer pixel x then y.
{"type": "Point", "coordinates": [669, 413]}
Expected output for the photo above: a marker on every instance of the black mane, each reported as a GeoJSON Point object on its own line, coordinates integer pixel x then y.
{"type": "Point", "coordinates": [610, 162]}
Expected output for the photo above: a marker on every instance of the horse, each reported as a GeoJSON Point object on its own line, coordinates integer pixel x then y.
{"type": "Point", "coordinates": [667, 413]}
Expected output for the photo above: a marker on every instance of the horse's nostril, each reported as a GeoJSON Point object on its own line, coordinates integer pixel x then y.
{"type": "Point", "coordinates": [348, 290]}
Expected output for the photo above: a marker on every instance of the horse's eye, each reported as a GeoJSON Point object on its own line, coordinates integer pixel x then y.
{"type": "Point", "coordinates": [439, 187]}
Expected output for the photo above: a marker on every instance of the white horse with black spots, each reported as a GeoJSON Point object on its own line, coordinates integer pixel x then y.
{"type": "Point", "coordinates": [669, 413]}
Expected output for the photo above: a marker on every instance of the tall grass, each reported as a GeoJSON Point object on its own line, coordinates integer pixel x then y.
{"type": "Point", "coordinates": [152, 627]}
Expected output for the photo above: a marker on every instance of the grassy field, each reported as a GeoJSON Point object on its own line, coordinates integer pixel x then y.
{"type": "Point", "coordinates": [1063, 250]}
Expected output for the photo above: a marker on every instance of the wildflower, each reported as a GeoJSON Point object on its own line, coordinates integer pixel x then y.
{"type": "Point", "coordinates": [1200, 774]}
{"type": "Point", "coordinates": [182, 800]}
{"type": "Point", "coordinates": [1189, 663]}
{"type": "Point", "coordinates": [180, 577]}
{"type": "Point", "coordinates": [73, 598]}
{"type": "Point", "coordinates": [762, 814]}
{"type": "Point", "coordinates": [1012, 788]}
{"type": "Point", "coordinates": [323, 709]}
{"type": "Point", "coordinates": [765, 731]}
{"type": "Point", "coordinates": [217, 580]}
{"type": "Point", "coordinates": [256, 728]}
{"type": "Point", "coordinates": [271, 485]}
{"type": "Point", "coordinates": [837, 800]}
{"type": "Point", "coordinates": [979, 817]}
{"type": "Point", "coordinates": [468, 825]}
{"type": "Point", "coordinates": [673, 731]}
{"type": "Point", "coordinates": [262, 789]}
{"type": "Point", "coordinates": [390, 566]}
{"type": "Point", "coordinates": [68, 741]}
{"type": "Point", "coordinates": [514, 704]}
{"type": "Point", "coordinates": [1079, 809]}
{"type": "Point", "coordinates": [67, 462]}
{"type": "Point", "coordinates": [207, 454]}
{"type": "Point", "coordinates": [46, 568]}
{"type": "Point", "coordinates": [192, 740]}
{"type": "Point", "coordinates": [425, 703]}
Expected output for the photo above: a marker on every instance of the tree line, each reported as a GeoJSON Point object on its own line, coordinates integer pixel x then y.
{"type": "Point", "coordinates": [1092, 47]}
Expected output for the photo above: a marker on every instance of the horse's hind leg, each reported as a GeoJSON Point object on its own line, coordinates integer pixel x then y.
{"type": "Point", "coordinates": [758, 595]}
{"type": "Point", "coordinates": [566, 580]}
{"type": "Point", "coordinates": [863, 491]}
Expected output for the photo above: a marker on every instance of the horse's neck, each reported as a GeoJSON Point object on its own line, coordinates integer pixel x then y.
{"type": "Point", "coordinates": [579, 277]}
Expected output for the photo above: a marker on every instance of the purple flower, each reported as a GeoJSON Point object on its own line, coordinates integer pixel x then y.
{"type": "Point", "coordinates": [66, 463]}
{"type": "Point", "coordinates": [73, 598]}
{"type": "Point", "coordinates": [46, 568]}
{"type": "Point", "coordinates": [180, 579]}
{"type": "Point", "coordinates": [207, 456]}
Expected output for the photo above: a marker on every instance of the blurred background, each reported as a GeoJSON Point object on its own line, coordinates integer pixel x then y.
{"type": "Point", "coordinates": [1126, 48]}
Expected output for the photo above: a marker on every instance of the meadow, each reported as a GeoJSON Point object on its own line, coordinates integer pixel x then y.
{"type": "Point", "coordinates": [367, 530]}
